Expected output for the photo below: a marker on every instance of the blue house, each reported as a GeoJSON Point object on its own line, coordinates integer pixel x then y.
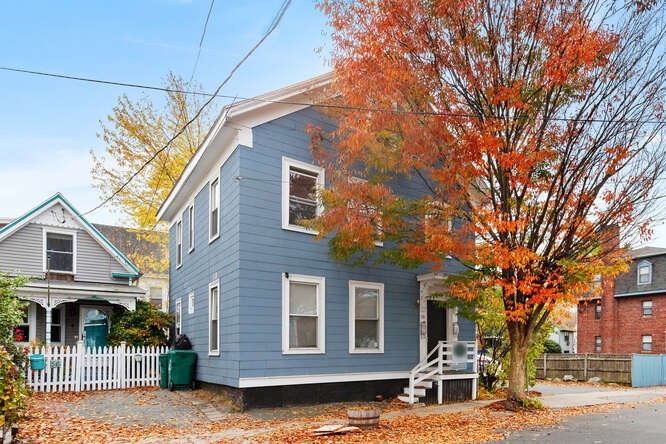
{"type": "Point", "coordinates": [271, 316]}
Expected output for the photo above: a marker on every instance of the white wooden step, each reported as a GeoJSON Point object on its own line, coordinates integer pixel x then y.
{"type": "Point", "coordinates": [418, 391]}
{"type": "Point", "coordinates": [427, 383]}
{"type": "Point", "coordinates": [405, 398]}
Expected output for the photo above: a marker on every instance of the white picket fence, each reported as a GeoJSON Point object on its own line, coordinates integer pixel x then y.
{"type": "Point", "coordinates": [74, 369]}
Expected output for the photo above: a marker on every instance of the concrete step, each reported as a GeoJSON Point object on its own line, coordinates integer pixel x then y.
{"type": "Point", "coordinates": [418, 391]}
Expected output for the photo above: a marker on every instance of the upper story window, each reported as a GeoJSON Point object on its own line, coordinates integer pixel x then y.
{"type": "Point", "coordinates": [214, 210]}
{"type": "Point", "coordinates": [647, 308]}
{"type": "Point", "coordinates": [300, 201]}
{"type": "Point", "coordinates": [366, 317]}
{"type": "Point", "coordinates": [190, 228]}
{"type": "Point", "coordinates": [644, 273]}
{"type": "Point", "coordinates": [303, 314]}
{"type": "Point", "coordinates": [597, 311]}
{"type": "Point", "coordinates": [179, 243]}
{"type": "Point", "coordinates": [60, 252]}
{"type": "Point", "coordinates": [646, 343]}
{"type": "Point", "coordinates": [190, 303]}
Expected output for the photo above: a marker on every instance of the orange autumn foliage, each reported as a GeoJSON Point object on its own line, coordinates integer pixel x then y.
{"type": "Point", "coordinates": [532, 125]}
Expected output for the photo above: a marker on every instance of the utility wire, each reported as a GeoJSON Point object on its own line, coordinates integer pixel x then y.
{"type": "Point", "coordinates": [276, 21]}
{"type": "Point", "coordinates": [313, 104]}
{"type": "Point", "coordinates": [203, 35]}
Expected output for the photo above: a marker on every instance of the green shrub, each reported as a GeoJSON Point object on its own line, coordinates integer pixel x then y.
{"type": "Point", "coordinates": [13, 392]}
{"type": "Point", "coordinates": [11, 314]}
{"type": "Point", "coordinates": [144, 326]}
{"type": "Point", "coordinates": [551, 346]}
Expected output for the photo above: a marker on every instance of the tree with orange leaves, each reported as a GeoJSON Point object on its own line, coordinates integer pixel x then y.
{"type": "Point", "coordinates": [534, 125]}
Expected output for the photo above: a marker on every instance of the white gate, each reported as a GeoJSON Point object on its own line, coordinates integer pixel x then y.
{"type": "Point", "coordinates": [73, 369]}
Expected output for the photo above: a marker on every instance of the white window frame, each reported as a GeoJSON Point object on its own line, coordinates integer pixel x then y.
{"type": "Point", "coordinates": [644, 341]}
{"type": "Point", "coordinates": [216, 201]}
{"type": "Point", "coordinates": [179, 243]}
{"type": "Point", "coordinates": [641, 265]}
{"type": "Point", "coordinates": [61, 324]}
{"type": "Point", "coordinates": [178, 317]}
{"type": "Point", "coordinates": [215, 284]}
{"type": "Point", "coordinates": [32, 323]}
{"type": "Point", "coordinates": [320, 282]}
{"type": "Point", "coordinates": [353, 285]}
{"type": "Point", "coordinates": [598, 344]}
{"type": "Point", "coordinates": [647, 304]}
{"type": "Point", "coordinates": [73, 233]}
{"type": "Point", "coordinates": [190, 303]}
{"type": "Point", "coordinates": [190, 228]}
{"type": "Point", "coordinates": [315, 170]}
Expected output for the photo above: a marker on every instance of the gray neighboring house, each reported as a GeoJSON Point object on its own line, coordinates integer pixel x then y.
{"type": "Point", "coordinates": [74, 271]}
{"type": "Point", "coordinates": [271, 316]}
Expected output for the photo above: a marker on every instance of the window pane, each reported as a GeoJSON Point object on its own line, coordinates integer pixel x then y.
{"type": "Point", "coordinates": [59, 242]}
{"type": "Point", "coordinates": [61, 261]}
{"type": "Point", "coordinates": [302, 298]}
{"type": "Point", "coordinates": [213, 223]}
{"type": "Point", "coordinates": [214, 303]}
{"type": "Point", "coordinates": [213, 335]}
{"type": "Point", "coordinates": [302, 184]}
{"type": "Point", "coordinates": [22, 333]}
{"type": "Point", "coordinates": [55, 333]}
{"type": "Point", "coordinates": [366, 303]}
{"type": "Point", "coordinates": [300, 211]}
{"type": "Point", "coordinates": [367, 334]}
{"type": "Point", "coordinates": [302, 332]}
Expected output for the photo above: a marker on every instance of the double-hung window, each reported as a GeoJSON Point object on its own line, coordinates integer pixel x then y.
{"type": "Point", "coordinates": [190, 303]}
{"type": "Point", "coordinates": [647, 309]}
{"type": "Point", "coordinates": [644, 273]}
{"type": "Point", "coordinates": [214, 318]}
{"type": "Point", "coordinates": [301, 183]}
{"type": "Point", "coordinates": [597, 344]}
{"type": "Point", "coordinates": [178, 316]}
{"type": "Point", "coordinates": [179, 243]}
{"type": "Point", "coordinates": [303, 303]}
{"type": "Point", "coordinates": [366, 317]}
{"type": "Point", "coordinates": [60, 252]}
{"type": "Point", "coordinates": [597, 311]}
{"type": "Point", "coordinates": [214, 210]}
{"type": "Point", "coordinates": [190, 228]}
{"type": "Point", "coordinates": [646, 343]}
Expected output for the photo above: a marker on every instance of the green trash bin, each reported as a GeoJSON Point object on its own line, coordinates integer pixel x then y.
{"type": "Point", "coordinates": [164, 370]}
{"type": "Point", "coordinates": [181, 368]}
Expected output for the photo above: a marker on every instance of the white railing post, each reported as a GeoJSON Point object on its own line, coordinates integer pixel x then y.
{"type": "Point", "coordinates": [78, 366]}
{"type": "Point", "coordinates": [411, 387]}
{"type": "Point", "coordinates": [440, 357]}
{"type": "Point", "coordinates": [121, 365]}
{"type": "Point", "coordinates": [475, 367]}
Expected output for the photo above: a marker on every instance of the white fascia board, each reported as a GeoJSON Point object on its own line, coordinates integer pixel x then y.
{"type": "Point", "coordinates": [233, 127]}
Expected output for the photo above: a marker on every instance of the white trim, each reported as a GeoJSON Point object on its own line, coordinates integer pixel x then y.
{"type": "Point", "coordinates": [352, 316]}
{"type": "Point", "coordinates": [214, 284]}
{"type": "Point", "coordinates": [190, 228]}
{"type": "Point", "coordinates": [178, 316]}
{"type": "Point", "coordinates": [32, 323]}
{"type": "Point", "coordinates": [179, 243]}
{"type": "Point", "coordinates": [211, 237]}
{"type": "Point", "coordinates": [271, 381]}
{"type": "Point", "coordinates": [320, 282]}
{"type": "Point", "coordinates": [62, 324]}
{"type": "Point", "coordinates": [641, 264]}
{"type": "Point", "coordinates": [315, 170]}
{"type": "Point", "coordinates": [233, 127]}
{"type": "Point", "coordinates": [190, 302]}
{"type": "Point", "coordinates": [73, 233]}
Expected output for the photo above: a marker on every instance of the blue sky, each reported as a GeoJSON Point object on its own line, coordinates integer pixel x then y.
{"type": "Point", "coordinates": [48, 126]}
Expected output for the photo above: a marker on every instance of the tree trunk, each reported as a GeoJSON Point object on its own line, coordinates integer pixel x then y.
{"type": "Point", "coordinates": [518, 334]}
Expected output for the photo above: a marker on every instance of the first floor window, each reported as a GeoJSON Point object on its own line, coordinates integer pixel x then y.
{"type": "Point", "coordinates": [303, 314]}
{"type": "Point", "coordinates": [178, 316]}
{"type": "Point", "coordinates": [22, 330]}
{"type": "Point", "coordinates": [56, 324]}
{"type": "Point", "coordinates": [646, 343]}
{"type": "Point", "coordinates": [190, 303]}
{"type": "Point", "coordinates": [366, 317]}
{"type": "Point", "coordinates": [597, 344]}
{"type": "Point", "coordinates": [647, 308]}
{"type": "Point", "coordinates": [213, 318]}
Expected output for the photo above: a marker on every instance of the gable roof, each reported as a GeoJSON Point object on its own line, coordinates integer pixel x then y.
{"type": "Point", "coordinates": [58, 198]}
{"type": "Point", "coordinates": [233, 127]}
{"type": "Point", "coordinates": [646, 252]}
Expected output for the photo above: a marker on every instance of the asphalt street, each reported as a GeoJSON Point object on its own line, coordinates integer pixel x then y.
{"type": "Point", "coordinates": [644, 423]}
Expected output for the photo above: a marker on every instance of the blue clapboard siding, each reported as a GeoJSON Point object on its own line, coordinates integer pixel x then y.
{"type": "Point", "coordinates": [206, 263]}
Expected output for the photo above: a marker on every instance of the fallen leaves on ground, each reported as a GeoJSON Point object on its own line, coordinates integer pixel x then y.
{"type": "Point", "coordinates": [51, 420]}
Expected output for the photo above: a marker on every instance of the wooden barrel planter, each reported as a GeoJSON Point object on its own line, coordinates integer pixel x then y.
{"type": "Point", "coordinates": [363, 417]}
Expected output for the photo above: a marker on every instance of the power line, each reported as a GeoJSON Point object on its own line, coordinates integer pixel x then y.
{"type": "Point", "coordinates": [203, 35]}
{"type": "Point", "coordinates": [276, 21]}
{"type": "Point", "coordinates": [313, 104]}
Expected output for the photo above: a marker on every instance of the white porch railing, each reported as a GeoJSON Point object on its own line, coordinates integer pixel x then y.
{"type": "Point", "coordinates": [444, 357]}
{"type": "Point", "coordinates": [73, 369]}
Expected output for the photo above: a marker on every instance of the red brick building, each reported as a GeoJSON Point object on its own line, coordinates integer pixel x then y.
{"type": "Point", "coordinates": [630, 316]}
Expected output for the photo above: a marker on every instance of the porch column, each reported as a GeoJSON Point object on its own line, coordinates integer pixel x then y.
{"type": "Point", "coordinates": [49, 321]}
